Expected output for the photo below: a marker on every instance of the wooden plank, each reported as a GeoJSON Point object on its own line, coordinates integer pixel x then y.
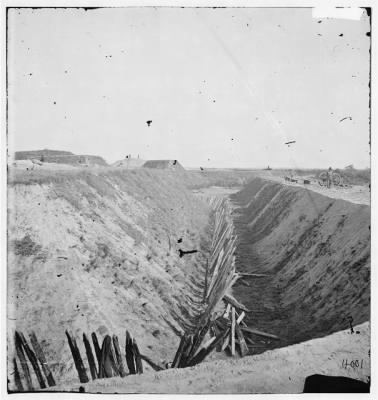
{"type": "Point", "coordinates": [206, 283]}
{"type": "Point", "coordinates": [233, 331]}
{"type": "Point", "coordinates": [77, 359]}
{"type": "Point", "coordinates": [17, 377]}
{"type": "Point", "coordinates": [151, 363]}
{"type": "Point", "coordinates": [33, 360]}
{"type": "Point", "coordinates": [130, 360]}
{"type": "Point", "coordinates": [230, 299]}
{"type": "Point", "coordinates": [118, 355]}
{"type": "Point", "coordinates": [255, 275]}
{"type": "Point", "coordinates": [24, 364]}
{"type": "Point", "coordinates": [42, 359]}
{"type": "Point", "coordinates": [225, 342]}
{"type": "Point", "coordinates": [242, 344]}
{"type": "Point", "coordinates": [260, 333]}
{"type": "Point", "coordinates": [138, 360]}
{"type": "Point", "coordinates": [90, 358]}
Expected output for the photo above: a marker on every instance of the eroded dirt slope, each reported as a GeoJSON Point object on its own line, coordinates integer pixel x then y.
{"type": "Point", "coordinates": [97, 251]}
{"type": "Point", "coordinates": [315, 251]}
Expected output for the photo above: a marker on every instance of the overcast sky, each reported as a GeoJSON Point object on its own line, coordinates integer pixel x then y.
{"type": "Point", "coordinates": [222, 87]}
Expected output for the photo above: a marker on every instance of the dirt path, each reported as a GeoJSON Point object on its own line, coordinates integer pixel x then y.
{"type": "Point", "coordinates": [355, 194]}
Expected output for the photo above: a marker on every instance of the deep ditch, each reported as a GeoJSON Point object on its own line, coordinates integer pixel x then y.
{"type": "Point", "coordinates": [302, 261]}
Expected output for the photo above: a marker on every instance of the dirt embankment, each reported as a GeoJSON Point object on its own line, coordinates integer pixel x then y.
{"type": "Point", "coordinates": [97, 251]}
{"type": "Point", "coordinates": [315, 251]}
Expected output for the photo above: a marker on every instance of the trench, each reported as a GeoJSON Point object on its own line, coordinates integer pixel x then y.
{"type": "Point", "coordinates": [315, 252]}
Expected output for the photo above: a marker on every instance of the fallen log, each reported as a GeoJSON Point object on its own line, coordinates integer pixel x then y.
{"type": "Point", "coordinates": [230, 299]}
{"type": "Point", "coordinates": [260, 333]}
{"type": "Point", "coordinates": [151, 363]}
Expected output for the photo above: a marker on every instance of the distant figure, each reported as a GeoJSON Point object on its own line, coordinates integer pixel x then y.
{"type": "Point", "coordinates": [329, 177]}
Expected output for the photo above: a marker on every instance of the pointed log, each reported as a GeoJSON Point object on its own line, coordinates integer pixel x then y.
{"type": "Point", "coordinates": [24, 364]}
{"type": "Point", "coordinates": [206, 351]}
{"type": "Point", "coordinates": [90, 358]}
{"type": "Point", "coordinates": [230, 299]}
{"type": "Point", "coordinates": [242, 344]}
{"type": "Point", "coordinates": [117, 351]}
{"type": "Point", "coordinates": [177, 358]}
{"type": "Point", "coordinates": [130, 354]}
{"type": "Point", "coordinates": [97, 350]}
{"type": "Point", "coordinates": [33, 360]}
{"type": "Point", "coordinates": [138, 360]}
{"type": "Point", "coordinates": [233, 323]}
{"type": "Point", "coordinates": [260, 333]}
{"type": "Point", "coordinates": [186, 351]}
{"type": "Point", "coordinates": [106, 370]}
{"type": "Point", "coordinates": [17, 377]}
{"type": "Point", "coordinates": [83, 377]}
{"type": "Point", "coordinates": [42, 359]}
{"type": "Point", "coordinates": [151, 363]}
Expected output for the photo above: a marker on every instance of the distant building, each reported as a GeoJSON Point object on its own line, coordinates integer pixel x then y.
{"type": "Point", "coordinates": [163, 164]}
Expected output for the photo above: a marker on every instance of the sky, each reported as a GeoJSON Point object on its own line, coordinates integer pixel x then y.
{"type": "Point", "coordinates": [222, 87]}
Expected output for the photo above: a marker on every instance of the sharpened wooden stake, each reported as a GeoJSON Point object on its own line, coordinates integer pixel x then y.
{"type": "Point", "coordinates": [177, 358]}
{"type": "Point", "coordinates": [42, 359]}
{"type": "Point", "coordinates": [24, 364]}
{"type": "Point", "coordinates": [240, 318]}
{"type": "Point", "coordinates": [83, 377]}
{"type": "Point", "coordinates": [138, 359]}
{"type": "Point", "coordinates": [117, 351]}
{"type": "Point", "coordinates": [151, 363]}
{"type": "Point", "coordinates": [130, 354]}
{"type": "Point", "coordinates": [17, 378]}
{"type": "Point", "coordinates": [226, 314]}
{"type": "Point", "coordinates": [97, 351]}
{"type": "Point", "coordinates": [33, 360]}
{"type": "Point", "coordinates": [90, 358]}
{"type": "Point", "coordinates": [233, 331]}
{"type": "Point", "coordinates": [242, 344]}
{"type": "Point", "coordinates": [106, 370]}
